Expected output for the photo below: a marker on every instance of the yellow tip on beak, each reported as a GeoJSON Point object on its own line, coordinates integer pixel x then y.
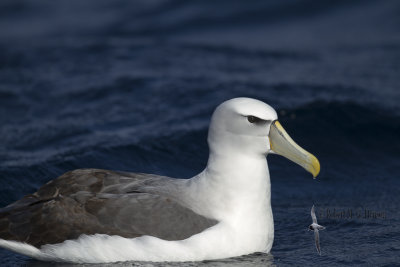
{"type": "Point", "coordinates": [282, 144]}
{"type": "Point", "coordinates": [315, 166]}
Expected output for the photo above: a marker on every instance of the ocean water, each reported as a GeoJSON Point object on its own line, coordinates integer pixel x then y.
{"type": "Point", "coordinates": [131, 86]}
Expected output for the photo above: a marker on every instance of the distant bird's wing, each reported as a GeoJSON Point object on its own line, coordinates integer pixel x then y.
{"type": "Point", "coordinates": [316, 235]}
{"type": "Point", "coordinates": [90, 201]}
{"type": "Point", "coordinates": [314, 218]}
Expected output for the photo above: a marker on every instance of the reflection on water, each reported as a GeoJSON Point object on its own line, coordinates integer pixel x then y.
{"type": "Point", "coordinates": [256, 259]}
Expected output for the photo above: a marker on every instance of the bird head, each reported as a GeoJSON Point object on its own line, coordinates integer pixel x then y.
{"type": "Point", "coordinates": [251, 127]}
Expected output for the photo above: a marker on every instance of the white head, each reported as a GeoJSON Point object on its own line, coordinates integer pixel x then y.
{"type": "Point", "coordinates": [249, 126]}
{"type": "Point", "coordinates": [241, 125]}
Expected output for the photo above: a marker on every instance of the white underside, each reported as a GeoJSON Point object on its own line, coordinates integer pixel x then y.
{"type": "Point", "coordinates": [219, 241]}
{"type": "Point", "coordinates": [243, 208]}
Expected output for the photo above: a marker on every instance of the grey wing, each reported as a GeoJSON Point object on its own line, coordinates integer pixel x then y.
{"type": "Point", "coordinates": [89, 201]}
{"type": "Point", "coordinates": [316, 235]}
{"type": "Point", "coordinates": [314, 218]}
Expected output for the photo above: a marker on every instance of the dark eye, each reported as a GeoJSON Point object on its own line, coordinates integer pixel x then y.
{"type": "Point", "coordinates": [253, 119]}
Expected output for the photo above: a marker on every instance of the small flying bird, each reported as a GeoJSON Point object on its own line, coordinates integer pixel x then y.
{"type": "Point", "coordinates": [315, 227]}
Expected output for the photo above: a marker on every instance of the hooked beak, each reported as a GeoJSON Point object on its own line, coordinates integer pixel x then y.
{"type": "Point", "coordinates": [283, 145]}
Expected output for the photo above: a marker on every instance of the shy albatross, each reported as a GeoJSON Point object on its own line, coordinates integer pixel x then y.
{"type": "Point", "coordinates": [96, 216]}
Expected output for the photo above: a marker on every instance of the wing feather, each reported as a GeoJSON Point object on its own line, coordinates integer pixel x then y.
{"type": "Point", "coordinates": [89, 201]}
{"type": "Point", "coordinates": [314, 218]}
{"type": "Point", "coordinates": [316, 235]}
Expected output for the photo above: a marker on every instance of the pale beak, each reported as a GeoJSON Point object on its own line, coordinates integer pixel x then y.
{"type": "Point", "coordinates": [283, 145]}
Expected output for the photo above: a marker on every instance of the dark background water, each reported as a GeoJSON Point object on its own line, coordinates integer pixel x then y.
{"type": "Point", "coordinates": [131, 85]}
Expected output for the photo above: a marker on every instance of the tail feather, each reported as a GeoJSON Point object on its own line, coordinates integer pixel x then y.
{"type": "Point", "coordinates": [23, 248]}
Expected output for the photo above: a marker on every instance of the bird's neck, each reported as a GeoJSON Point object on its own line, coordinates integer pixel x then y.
{"type": "Point", "coordinates": [238, 172]}
{"type": "Point", "coordinates": [236, 184]}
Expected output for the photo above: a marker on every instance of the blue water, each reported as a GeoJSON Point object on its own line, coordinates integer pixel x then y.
{"type": "Point", "coordinates": [132, 85]}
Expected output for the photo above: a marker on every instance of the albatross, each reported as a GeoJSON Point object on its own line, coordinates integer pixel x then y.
{"type": "Point", "coordinates": [99, 216]}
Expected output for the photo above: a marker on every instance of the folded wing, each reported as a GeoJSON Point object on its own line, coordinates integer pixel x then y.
{"type": "Point", "coordinates": [90, 201]}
